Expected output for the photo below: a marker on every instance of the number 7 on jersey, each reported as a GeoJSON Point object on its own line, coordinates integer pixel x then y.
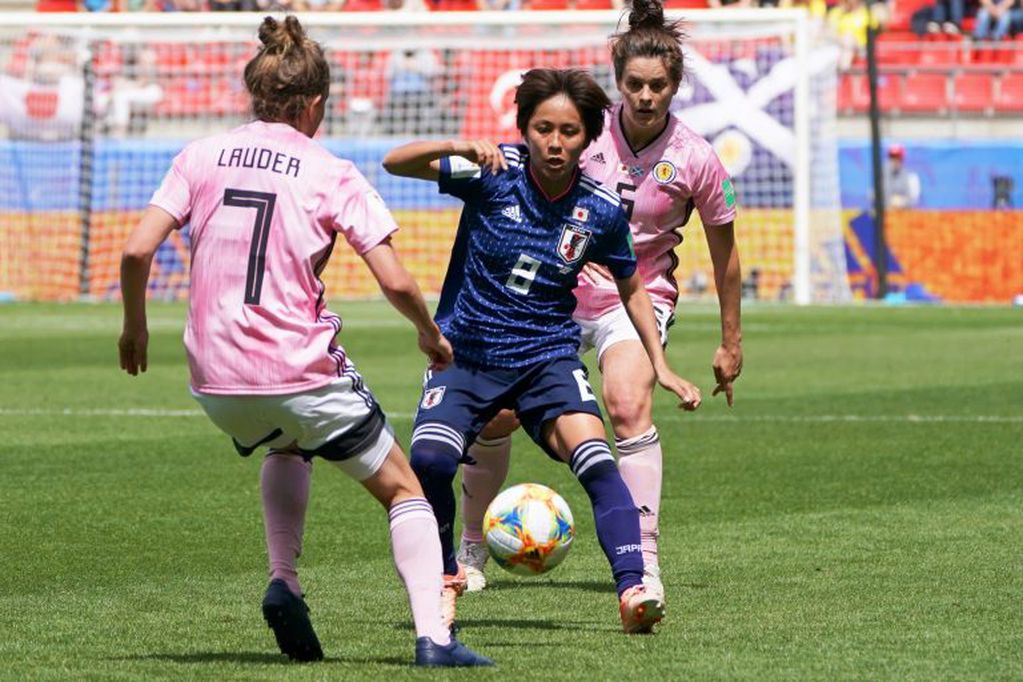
{"type": "Point", "coordinates": [264, 203]}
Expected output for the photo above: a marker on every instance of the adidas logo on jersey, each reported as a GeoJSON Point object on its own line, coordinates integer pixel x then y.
{"type": "Point", "coordinates": [512, 212]}
{"type": "Point", "coordinates": [598, 158]}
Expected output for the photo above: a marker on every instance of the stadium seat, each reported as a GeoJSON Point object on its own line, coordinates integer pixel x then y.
{"type": "Point", "coordinates": [896, 49]}
{"type": "Point", "coordinates": [844, 97]}
{"type": "Point", "coordinates": [544, 5]}
{"type": "Point", "coordinates": [1009, 93]}
{"type": "Point", "coordinates": [593, 4]}
{"type": "Point", "coordinates": [925, 93]}
{"type": "Point", "coordinates": [902, 10]}
{"type": "Point", "coordinates": [972, 91]}
{"type": "Point", "coordinates": [889, 89]}
{"type": "Point", "coordinates": [943, 53]}
{"type": "Point", "coordinates": [685, 4]}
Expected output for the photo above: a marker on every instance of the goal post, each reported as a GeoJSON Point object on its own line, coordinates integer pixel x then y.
{"type": "Point", "coordinates": [94, 106]}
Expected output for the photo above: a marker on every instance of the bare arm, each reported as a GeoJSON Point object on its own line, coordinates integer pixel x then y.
{"type": "Point", "coordinates": [641, 312]}
{"type": "Point", "coordinates": [724, 254]}
{"type": "Point", "coordinates": [422, 159]}
{"type": "Point", "coordinates": [401, 290]}
{"type": "Point", "coordinates": [154, 227]}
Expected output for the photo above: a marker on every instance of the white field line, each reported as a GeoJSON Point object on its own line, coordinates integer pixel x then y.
{"type": "Point", "coordinates": [795, 419]}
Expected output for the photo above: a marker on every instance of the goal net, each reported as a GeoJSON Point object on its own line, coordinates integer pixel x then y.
{"type": "Point", "coordinates": [94, 107]}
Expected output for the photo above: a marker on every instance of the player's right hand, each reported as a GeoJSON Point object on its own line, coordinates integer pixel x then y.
{"type": "Point", "coordinates": [438, 350]}
{"type": "Point", "coordinates": [133, 348]}
{"type": "Point", "coordinates": [688, 393]}
{"type": "Point", "coordinates": [484, 153]}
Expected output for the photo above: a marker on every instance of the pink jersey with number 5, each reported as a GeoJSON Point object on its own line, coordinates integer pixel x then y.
{"type": "Point", "coordinates": [660, 185]}
{"type": "Point", "coordinates": [265, 204]}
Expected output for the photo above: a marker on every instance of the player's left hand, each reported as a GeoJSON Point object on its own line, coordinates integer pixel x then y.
{"type": "Point", "coordinates": [727, 368]}
{"type": "Point", "coordinates": [594, 273]}
{"type": "Point", "coordinates": [438, 350]}
{"type": "Point", "coordinates": [133, 348]}
{"type": "Point", "coordinates": [687, 392]}
{"type": "Point", "coordinates": [484, 153]}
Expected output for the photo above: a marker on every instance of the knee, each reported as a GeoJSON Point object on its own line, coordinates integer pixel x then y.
{"type": "Point", "coordinates": [433, 463]}
{"type": "Point", "coordinates": [630, 415]}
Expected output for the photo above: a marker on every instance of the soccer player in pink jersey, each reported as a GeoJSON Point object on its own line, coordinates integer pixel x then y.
{"type": "Point", "coordinates": [265, 204]}
{"type": "Point", "coordinates": [663, 171]}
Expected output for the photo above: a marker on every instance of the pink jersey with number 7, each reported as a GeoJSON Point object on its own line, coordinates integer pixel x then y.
{"type": "Point", "coordinates": [660, 185]}
{"type": "Point", "coordinates": [265, 204]}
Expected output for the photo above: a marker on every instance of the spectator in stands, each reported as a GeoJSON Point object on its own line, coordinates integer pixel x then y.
{"type": "Point", "coordinates": [718, 4]}
{"type": "Point", "coordinates": [134, 92]}
{"type": "Point", "coordinates": [849, 20]}
{"type": "Point", "coordinates": [411, 102]}
{"type": "Point", "coordinates": [901, 185]}
{"type": "Point", "coordinates": [994, 19]}
{"type": "Point", "coordinates": [944, 16]}
{"type": "Point", "coordinates": [498, 5]}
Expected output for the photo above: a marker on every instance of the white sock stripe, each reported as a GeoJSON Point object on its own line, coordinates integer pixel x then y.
{"type": "Point", "coordinates": [596, 459]}
{"type": "Point", "coordinates": [441, 430]}
{"type": "Point", "coordinates": [440, 433]}
{"type": "Point", "coordinates": [409, 510]}
{"type": "Point", "coordinates": [588, 454]}
{"type": "Point", "coordinates": [492, 442]}
{"type": "Point", "coordinates": [627, 446]}
{"type": "Point", "coordinates": [584, 452]}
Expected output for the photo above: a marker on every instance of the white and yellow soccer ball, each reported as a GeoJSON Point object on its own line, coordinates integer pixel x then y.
{"type": "Point", "coordinates": [528, 529]}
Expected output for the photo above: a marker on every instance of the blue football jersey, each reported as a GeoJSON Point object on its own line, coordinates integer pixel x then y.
{"type": "Point", "coordinates": [507, 297]}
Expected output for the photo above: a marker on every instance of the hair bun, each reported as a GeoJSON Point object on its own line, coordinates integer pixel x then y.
{"type": "Point", "coordinates": [278, 38]}
{"type": "Point", "coordinates": [646, 13]}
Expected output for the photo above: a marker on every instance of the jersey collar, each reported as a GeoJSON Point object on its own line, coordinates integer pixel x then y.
{"type": "Point", "coordinates": [536, 185]}
{"type": "Point", "coordinates": [625, 138]}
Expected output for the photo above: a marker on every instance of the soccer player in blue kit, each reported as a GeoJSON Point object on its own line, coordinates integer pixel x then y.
{"type": "Point", "coordinates": [531, 221]}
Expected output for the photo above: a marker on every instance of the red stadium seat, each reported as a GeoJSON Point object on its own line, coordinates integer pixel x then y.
{"type": "Point", "coordinates": [685, 4]}
{"type": "Point", "coordinates": [902, 10]}
{"type": "Point", "coordinates": [593, 4]}
{"type": "Point", "coordinates": [972, 91]}
{"type": "Point", "coordinates": [889, 90]}
{"type": "Point", "coordinates": [845, 93]}
{"type": "Point", "coordinates": [925, 93]}
{"type": "Point", "coordinates": [544, 5]}
{"type": "Point", "coordinates": [1009, 93]}
{"type": "Point", "coordinates": [939, 54]}
{"type": "Point", "coordinates": [896, 49]}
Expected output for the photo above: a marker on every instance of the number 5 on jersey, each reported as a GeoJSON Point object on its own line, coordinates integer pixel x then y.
{"type": "Point", "coordinates": [264, 203]}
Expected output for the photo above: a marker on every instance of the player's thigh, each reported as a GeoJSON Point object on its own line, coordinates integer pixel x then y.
{"type": "Point", "coordinates": [340, 422]}
{"type": "Point", "coordinates": [394, 481]}
{"type": "Point", "coordinates": [456, 405]}
{"type": "Point", "coordinates": [556, 388]}
{"type": "Point", "coordinates": [503, 424]}
{"type": "Point", "coordinates": [627, 390]}
{"type": "Point", "coordinates": [567, 431]}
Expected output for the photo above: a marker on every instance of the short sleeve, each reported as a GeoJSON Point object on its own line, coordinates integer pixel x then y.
{"type": "Point", "coordinates": [460, 178]}
{"type": "Point", "coordinates": [616, 251]}
{"type": "Point", "coordinates": [715, 195]}
{"type": "Point", "coordinates": [359, 213]}
{"type": "Point", "coordinates": [175, 193]}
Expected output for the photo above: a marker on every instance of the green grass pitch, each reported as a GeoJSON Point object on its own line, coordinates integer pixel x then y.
{"type": "Point", "coordinates": [857, 515]}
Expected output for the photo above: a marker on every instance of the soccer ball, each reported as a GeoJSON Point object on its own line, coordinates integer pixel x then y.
{"type": "Point", "coordinates": [528, 529]}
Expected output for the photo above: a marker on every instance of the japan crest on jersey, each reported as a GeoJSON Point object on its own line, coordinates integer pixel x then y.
{"type": "Point", "coordinates": [573, 243]}
{"type": "Point", "coordinates": [432, 397]}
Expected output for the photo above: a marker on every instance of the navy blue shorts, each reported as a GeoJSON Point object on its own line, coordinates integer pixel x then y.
{"type": "Point", "coordinates": [467, 398]}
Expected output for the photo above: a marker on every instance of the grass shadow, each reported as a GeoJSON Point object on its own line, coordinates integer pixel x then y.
{"type": "Point", "coordinates": [256, 658]}
{"type": "Point", "coordinates": [602, 586]}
